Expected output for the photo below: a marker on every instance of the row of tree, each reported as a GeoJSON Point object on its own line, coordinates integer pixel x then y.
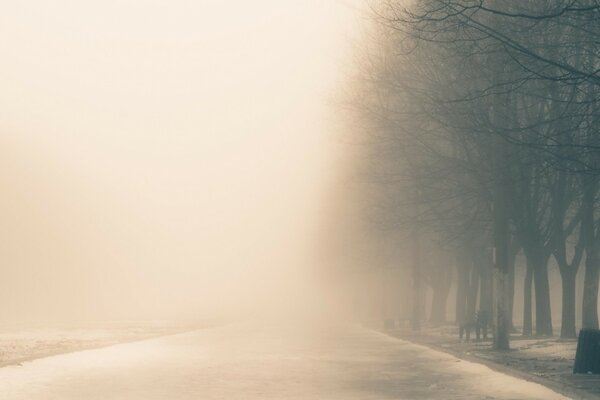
{"type": "Point", "coordinates": [481, 120]}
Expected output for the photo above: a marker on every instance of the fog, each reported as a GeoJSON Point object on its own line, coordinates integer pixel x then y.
{"type": "Point", "coordinates": [164, 159]}
{"type": "Point", "coordinates": [269, 199]}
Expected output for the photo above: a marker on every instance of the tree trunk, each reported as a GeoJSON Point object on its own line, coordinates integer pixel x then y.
{"type": "Point", "coordinates": [462, 279]}
{"type": "Point", "coordinates": [441, 290]}
{"type": "Point", "coordinates": [511, 292]}
{"type": "Point", "coordinates": [473, 290]}
{"type": "Point", "coordinates": [592, 259]}
{"type": "Point", "coordinates": [543, 314]}
{"type": "Point", "coordinates": [567, 330]}
{"type": "Point", "coordinates": [501, 242]}
{"type": "Point", "coordinates": [590, 292]}
{"type": "Point", "coordinates": [416, 275]}
{"type": "Point", "coordinates": [485, 295]}
{"type": "Point", "coordinates": [527, 309]}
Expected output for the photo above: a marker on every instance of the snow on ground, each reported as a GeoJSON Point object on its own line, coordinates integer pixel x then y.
{"type": "Point", "coordinates": [484, 379]}
{"type": "Point", "coordinates": [18, 345]}
{"type": "Point", "coordinates": [545, 360]}
{"type": "Point", "coordinates": [549, 347]}
{"type": "Point", "coordinates": [246, 361]}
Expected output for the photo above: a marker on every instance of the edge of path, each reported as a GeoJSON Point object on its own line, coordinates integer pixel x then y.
{"type": "Point", "coordinates": [563, 389]}
{"type": "Point", "coordinates": [83, 346]}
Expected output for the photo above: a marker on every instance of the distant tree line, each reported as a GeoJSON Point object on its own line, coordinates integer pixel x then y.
{"type": "Point", "coordinates": [481, 120]}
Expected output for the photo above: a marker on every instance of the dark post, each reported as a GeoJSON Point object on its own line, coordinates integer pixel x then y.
{"type": "Point", "coordinates": [587, 356]}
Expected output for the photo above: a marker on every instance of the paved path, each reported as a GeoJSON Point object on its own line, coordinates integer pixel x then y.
{"type": "Point", "coordinates": [245, 361]}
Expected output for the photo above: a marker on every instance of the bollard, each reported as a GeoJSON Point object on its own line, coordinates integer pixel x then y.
{"type": "Point", "coordinates": [587, 356]}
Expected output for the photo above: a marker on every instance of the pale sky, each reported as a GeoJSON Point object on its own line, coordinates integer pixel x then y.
{"type": "Point", "coordinates": [161, 155]}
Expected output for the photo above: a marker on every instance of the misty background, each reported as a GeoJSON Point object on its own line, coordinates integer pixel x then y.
{"type": "Point", "coordinates": [164, 159]}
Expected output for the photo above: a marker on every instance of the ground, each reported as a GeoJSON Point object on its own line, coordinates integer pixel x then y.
{"type": "Point", "coordinates": [262, 361]}
{"type": "Point", "coordinates": [23, 344]}
{"type": "Point", "coordinates": [548, 361]}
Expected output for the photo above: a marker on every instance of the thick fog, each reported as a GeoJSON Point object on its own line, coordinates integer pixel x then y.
{"type": "Point", "coordinates": [163, 159]}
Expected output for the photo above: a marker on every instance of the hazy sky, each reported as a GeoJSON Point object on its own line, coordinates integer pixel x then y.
{"type": "Point", "coordinates": [158, 155]}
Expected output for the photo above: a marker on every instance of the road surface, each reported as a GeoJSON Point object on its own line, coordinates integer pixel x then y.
{"type": "Point", "coordinates": [246, 361]}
